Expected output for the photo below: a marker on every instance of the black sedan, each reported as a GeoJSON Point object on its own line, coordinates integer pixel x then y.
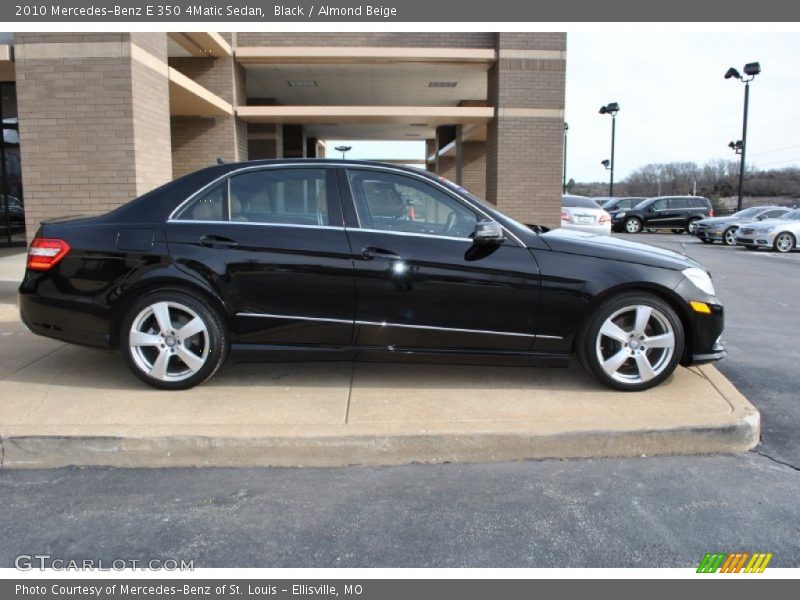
{"type": "Point", "coordinates": [360, 260]}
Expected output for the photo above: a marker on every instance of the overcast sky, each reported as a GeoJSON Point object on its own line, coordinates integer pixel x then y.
{"type": "Point", "coordinates": [675, 104]}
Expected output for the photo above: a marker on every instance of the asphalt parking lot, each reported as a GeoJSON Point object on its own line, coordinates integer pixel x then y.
{"type": "Point", "coordinates": [644, 512]}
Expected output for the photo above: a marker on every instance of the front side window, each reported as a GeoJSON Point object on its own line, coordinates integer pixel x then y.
{"type": "Point", "coordinates": [389, 202]}
{"type": "Point", "coordinates": [660, 204]}
{"type": "Point", "coordinates": [280, 196]}
{"type": "Point", "coordinates": [211, 205]}
{"type": "Point", "coordinates": [772, 214]}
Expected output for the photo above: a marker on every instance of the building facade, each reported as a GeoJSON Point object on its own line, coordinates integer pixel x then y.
{"type": "Point", "coordinates": [105, 117]}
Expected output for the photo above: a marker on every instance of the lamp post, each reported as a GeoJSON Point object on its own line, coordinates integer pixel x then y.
{"type": "Point", "coordinates": [343, 150]}
{"type": "Point", "coordinates": [750, 72]}
{"type": "Point", "coordinates": [612, 108]}
{"type": "Point", "coordinates": [564, 183]}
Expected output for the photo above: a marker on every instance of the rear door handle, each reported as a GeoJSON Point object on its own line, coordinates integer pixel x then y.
{"type": "Point", "coordinates": [217, 241]}
{"type": "Point", "coordinates": [372, 253]}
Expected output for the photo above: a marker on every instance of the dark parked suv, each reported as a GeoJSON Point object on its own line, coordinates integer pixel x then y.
{"type": "Point", "coordinates": [678, 213]}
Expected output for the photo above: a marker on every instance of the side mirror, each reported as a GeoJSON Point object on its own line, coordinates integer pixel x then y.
{"type": "Point", "coordinates": [488, 232]}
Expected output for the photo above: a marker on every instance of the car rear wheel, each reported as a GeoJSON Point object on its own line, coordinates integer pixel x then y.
{"type": "Point", "coordinates": [633, 225]}
{"type": "Point", "coordinates": [784, 242]}
{"type": "Point", "coordinates": [631, 342]}
{"type": "Point", "coordinates": [691, 225]}
{"type": "Point", "coordinates": [729, 236]}
{"type": "Point", "coordinates": [172, 340]}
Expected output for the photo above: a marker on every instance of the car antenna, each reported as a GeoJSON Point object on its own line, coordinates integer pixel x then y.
{"type": "Point", "coordinates": [220, 161]}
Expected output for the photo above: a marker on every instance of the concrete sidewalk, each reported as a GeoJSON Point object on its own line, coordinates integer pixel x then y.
{"type": "Point", "coordinates": [67, 405]}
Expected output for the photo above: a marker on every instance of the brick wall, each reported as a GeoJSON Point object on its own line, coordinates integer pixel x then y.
{"type": "Point", "coordinates": [77, 117]}
{"type": "Point", "coordinates": [199, 141]}
{"type": "Point", "coordinates": [473, 168]}
{"type": "Point", "coordinates": [524, 146]}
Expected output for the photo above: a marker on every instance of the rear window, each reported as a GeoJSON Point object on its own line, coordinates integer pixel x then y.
{"type": "Point", "coordinates": [578, 202]}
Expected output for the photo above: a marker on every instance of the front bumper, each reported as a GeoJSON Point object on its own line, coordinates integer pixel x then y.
{"type": "Point", "coordinates": [714, 235]}
{"type": "Point", "coordinates": [704, 331]}
{"type": "Point", "coordinates": [717, 352]}
{"type": "Point", "coordinates": [755, 238]}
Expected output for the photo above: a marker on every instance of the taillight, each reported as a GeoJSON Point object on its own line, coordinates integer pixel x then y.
{"type": "Point", "coordinates": [564, 216]}
{"type": "Point", "coordinates": [605, 218]}
{"type": "Point", "coordinates": [711, 213]}
{"type": "Point", "coordinates": [45, 253]}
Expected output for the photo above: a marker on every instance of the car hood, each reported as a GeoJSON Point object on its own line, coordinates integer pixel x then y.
{"type": "Point", "coordinates": [717, 220]}
{"type": "Point", "coordinates": [603, 246]}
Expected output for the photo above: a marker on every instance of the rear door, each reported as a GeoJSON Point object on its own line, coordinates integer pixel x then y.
{"type": "Point", "coordinates": [420, 280]}
{"type": "Point", "coordinates": [272, 241]}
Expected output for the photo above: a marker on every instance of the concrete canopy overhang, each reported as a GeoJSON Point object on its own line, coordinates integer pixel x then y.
{"type": "Point", "coordinates": [197, 43]}
{"type": "Point", "coordinates": [187, 98]}
{"type": "Point", "coordinates": [361, 54]}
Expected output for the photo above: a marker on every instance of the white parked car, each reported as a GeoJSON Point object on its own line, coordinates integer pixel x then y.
{"type": "Point", "coordinates": [779, 234]}
{"type": "Point", "coordinates": [584, 214]}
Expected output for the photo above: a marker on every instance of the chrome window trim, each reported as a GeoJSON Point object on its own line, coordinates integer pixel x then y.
{"type": "Point", "coordinates": [413, 234]}
{"type": "Point", "coordinates": [329, 165]}
{"type": "Point", "coordinates": [386, 324]}
{"type": "Point", "coordinates": [252, 223]}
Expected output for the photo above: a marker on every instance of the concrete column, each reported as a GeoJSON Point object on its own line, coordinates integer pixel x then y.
{"type": "Point", "coordinates": [94, 120]}
{"type": "Point", "coordinates": [198, 142]}
{"type": "Point", "coordinates": [524, 146]}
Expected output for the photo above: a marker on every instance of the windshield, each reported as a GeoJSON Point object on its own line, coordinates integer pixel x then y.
{"type": "Point", "coordinates": [642, 204]}
{"type": "Point", "coordinates": [609, 203]}
{"type": "Point", "coordinates": [749, 212]}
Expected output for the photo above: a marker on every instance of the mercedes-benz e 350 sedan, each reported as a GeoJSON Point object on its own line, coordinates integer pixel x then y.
{"type": "Point", "coordinates": [358, 260]}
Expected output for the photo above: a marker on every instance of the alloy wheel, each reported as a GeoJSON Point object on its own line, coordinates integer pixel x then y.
{"type": "Point", "coordinates": [730, 237]}
{"type": "Point", "coordinates": [169, 341]}
{"type": "Point", "coordinates": [633, 225]}
{"type": "Point", "coordinates": [784, 242]}
{"type": "Point", "coordinates": [635, 344]}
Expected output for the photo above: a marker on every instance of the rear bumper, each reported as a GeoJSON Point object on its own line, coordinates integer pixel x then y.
{"type": "Point", "coordinates": [74, 322]}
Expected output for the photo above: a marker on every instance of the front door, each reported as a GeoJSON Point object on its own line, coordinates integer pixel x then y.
{"type": "Point", "coordinates": [272, 240]}
{"type": "Point", "coordinates": [420, 280]}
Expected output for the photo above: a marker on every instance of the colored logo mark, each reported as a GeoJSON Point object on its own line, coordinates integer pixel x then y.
{"type": "Point", "coordinates": [738, 562]}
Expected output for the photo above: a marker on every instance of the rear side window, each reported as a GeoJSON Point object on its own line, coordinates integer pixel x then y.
{"type": "Point", "coordinates": [678, 203]}
{"type": "Point", "coordinates": [773, 214]}
{"type": "Point", "coordinates": [578, 202]}
{"type": "Point", "coordinates": [211, 205]}
{"type": "Point", "coordinates": [280, 196]}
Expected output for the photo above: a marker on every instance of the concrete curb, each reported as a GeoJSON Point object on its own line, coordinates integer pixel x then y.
{"type": "Point", "coordinates": [340, 446]}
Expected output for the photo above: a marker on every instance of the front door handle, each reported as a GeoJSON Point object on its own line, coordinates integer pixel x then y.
{"type": "Point", "coordinates": [372, 253]}
{"type": "Point", "coordinates": [217, 241]}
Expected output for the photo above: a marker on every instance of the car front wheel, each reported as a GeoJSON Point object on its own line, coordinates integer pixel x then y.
{"type": "Point", "coordinates": [784, 242]}
{"type": "Point", "coordinates": [729, 236]}
{"type": "Point", "coordinates": [172, 340]}
{"type": "Point", "coordinates": [633, 225]}
{"type": "Point", "coordinates": [631, 342]}
{"type": "Point", "coordinates": [691, 226]}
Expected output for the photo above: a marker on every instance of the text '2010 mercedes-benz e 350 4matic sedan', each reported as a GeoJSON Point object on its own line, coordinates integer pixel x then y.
{"type": "Point", "coordinates": [360, 260]}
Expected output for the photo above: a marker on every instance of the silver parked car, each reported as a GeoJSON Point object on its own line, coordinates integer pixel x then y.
{"type": "Point", "coordinates": [723, 229]}
{"type": "Point", "coordinates": [778, 234]}
{"type": "Point", "coordinates": [584, 214]}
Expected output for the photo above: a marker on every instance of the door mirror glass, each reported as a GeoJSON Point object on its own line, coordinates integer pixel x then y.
{"type": "Point", "coordinates": [488, 232]}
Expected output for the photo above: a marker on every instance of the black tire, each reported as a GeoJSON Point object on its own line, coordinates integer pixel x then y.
{"type": "Point", "coordinates": [727, 234]}
{"type": "Point", "coordinates": [214, 345]}
{"type": "Point", "coordinates": [706, 240]}
{"type": "Point", "coordinates": [784, 242]}
{"type": "Point", "coordinates": [632, 225]}
{"type": "Point", "coordinates": [677, 231]}
{"type": "Point", "coordinates": [587, 342]}
{"type": "Point", "coordinates": [690, 224]}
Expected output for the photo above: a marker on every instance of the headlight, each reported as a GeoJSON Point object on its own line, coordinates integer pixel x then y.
{"type": "Point", "coordinates": [619, 215]}
{"type": "Point", "coordinates": [700, 279]}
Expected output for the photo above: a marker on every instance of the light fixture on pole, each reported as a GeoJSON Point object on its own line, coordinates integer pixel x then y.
{"type": "Point", "coordinates": [564, 183]}
{"type": "Point", "coordinates": [343, 150]}
{"type": "Point", "coordinates": [750, 72]}
{"type": "Point", "coordinates": [612, 108]}
{"type": "Point", "coordinates": [736, 146]}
